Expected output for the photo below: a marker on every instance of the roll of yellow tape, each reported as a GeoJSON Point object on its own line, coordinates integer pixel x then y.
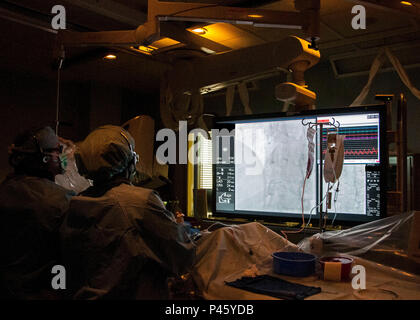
{"type": "Point", "coordinates": [332, 271]}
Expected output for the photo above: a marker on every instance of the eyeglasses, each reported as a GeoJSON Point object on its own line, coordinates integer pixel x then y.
{"type": "Point", "coordinates": [59, 149]}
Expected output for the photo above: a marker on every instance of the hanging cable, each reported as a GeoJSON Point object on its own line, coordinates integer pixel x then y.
{"type": "Point", "coordinates": [303, 215]}
{"type": "Point", "coordinates": [335, 202]}
{"type": "Point", "coordinates": [57, 108]}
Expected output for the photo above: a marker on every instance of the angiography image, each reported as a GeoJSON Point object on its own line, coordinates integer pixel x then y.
{"type": "Point", "coordinates": [270, 174]}
{"type": "Point", "coordinates": [351, 197]}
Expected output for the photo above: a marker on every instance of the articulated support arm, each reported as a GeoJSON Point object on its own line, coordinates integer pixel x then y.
{"type": "Point", "coordinates": [188, 79]}
{"type": "Point", "coordinates": [215, 72]}
{"type": "Point", "coordinates": [306, 19]}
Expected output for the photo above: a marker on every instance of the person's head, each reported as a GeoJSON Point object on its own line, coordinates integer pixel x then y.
{"type": "Point", "coordinates": [36, 152]}
{"type": "Point", "coordinates": [105, 154]}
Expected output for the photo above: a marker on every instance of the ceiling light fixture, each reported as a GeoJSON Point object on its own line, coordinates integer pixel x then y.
{"type": "Point", "coordinates": [207, 50]}
{"type": "Point", "coordinates": [199, 30]}
{"type": "Point", "coordinates": [146, 49]}
{"type": "Point", "coordinates": [110, 56]}
{"type": "Point", "coordinates": [406, 3]}
{"type": "Point", "coordinates": [162, 44]}
{"type": "Point", "coordinates": [255, 16]}
{"type": "Point", "coordinates": [143, 49]}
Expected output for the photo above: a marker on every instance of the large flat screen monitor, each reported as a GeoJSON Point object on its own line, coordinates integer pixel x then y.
{"type": "Point", "coordinates": [260, 163]}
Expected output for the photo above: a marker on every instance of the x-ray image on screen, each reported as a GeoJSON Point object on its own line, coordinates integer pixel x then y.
{"type": "Point", "coordinates": [352, 191]}
{"type": "Point", "coordinates": [271, 174]}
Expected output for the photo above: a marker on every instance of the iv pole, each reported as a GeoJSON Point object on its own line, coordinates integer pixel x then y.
{"type": "Point", "coordinates": [336, 125]}
{"type": "Point", "coordinates": [321, 211]}
{"type": "Point", "coordinates": [57, 110]}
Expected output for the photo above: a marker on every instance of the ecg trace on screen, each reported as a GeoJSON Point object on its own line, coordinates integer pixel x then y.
{"type": "Point", "coordinates": [361, 142]}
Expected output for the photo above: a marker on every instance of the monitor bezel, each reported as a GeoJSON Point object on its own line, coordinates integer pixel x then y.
{"type": "Point", "coordinates": [343, 219]}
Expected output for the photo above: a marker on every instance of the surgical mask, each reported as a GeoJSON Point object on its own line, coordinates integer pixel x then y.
{"type": "Point", "coordinates": [63, 161]}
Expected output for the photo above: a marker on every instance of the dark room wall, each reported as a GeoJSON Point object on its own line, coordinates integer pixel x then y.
{"type": "Point", "coordinates": [29, 101]}
{"type": "Point", "coordinates": [333, 92]}
{"type": "Point", "coordinates": [105, 105]}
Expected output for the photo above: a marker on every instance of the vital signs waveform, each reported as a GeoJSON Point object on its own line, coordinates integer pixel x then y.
{"type": "Point", "coordinates": [360, 143]}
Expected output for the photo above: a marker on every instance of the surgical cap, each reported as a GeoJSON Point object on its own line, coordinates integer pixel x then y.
{"type": "Point", "coordinates": [36, 141]}
{"type": "Point", "coordinates": [106, 151]}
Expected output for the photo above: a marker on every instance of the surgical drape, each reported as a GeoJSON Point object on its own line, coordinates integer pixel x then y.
{"type": "Point", "coordinates": [31, 211]}
{"type": "Point", "coordinates": [123, 245]}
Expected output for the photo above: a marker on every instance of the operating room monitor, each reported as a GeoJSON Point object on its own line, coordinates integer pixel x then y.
{"type": "Point", "coordinates": [260, 164]}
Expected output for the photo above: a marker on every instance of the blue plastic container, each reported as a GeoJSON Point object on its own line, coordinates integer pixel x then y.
{"type": "Point", "coordinates": [297, 264]}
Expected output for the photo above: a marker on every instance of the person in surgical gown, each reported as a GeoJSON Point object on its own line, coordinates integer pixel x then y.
{"type": "Point", "coordinates": [32, 208]}
{"type": "Point", "coordinates": [118, 240]}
